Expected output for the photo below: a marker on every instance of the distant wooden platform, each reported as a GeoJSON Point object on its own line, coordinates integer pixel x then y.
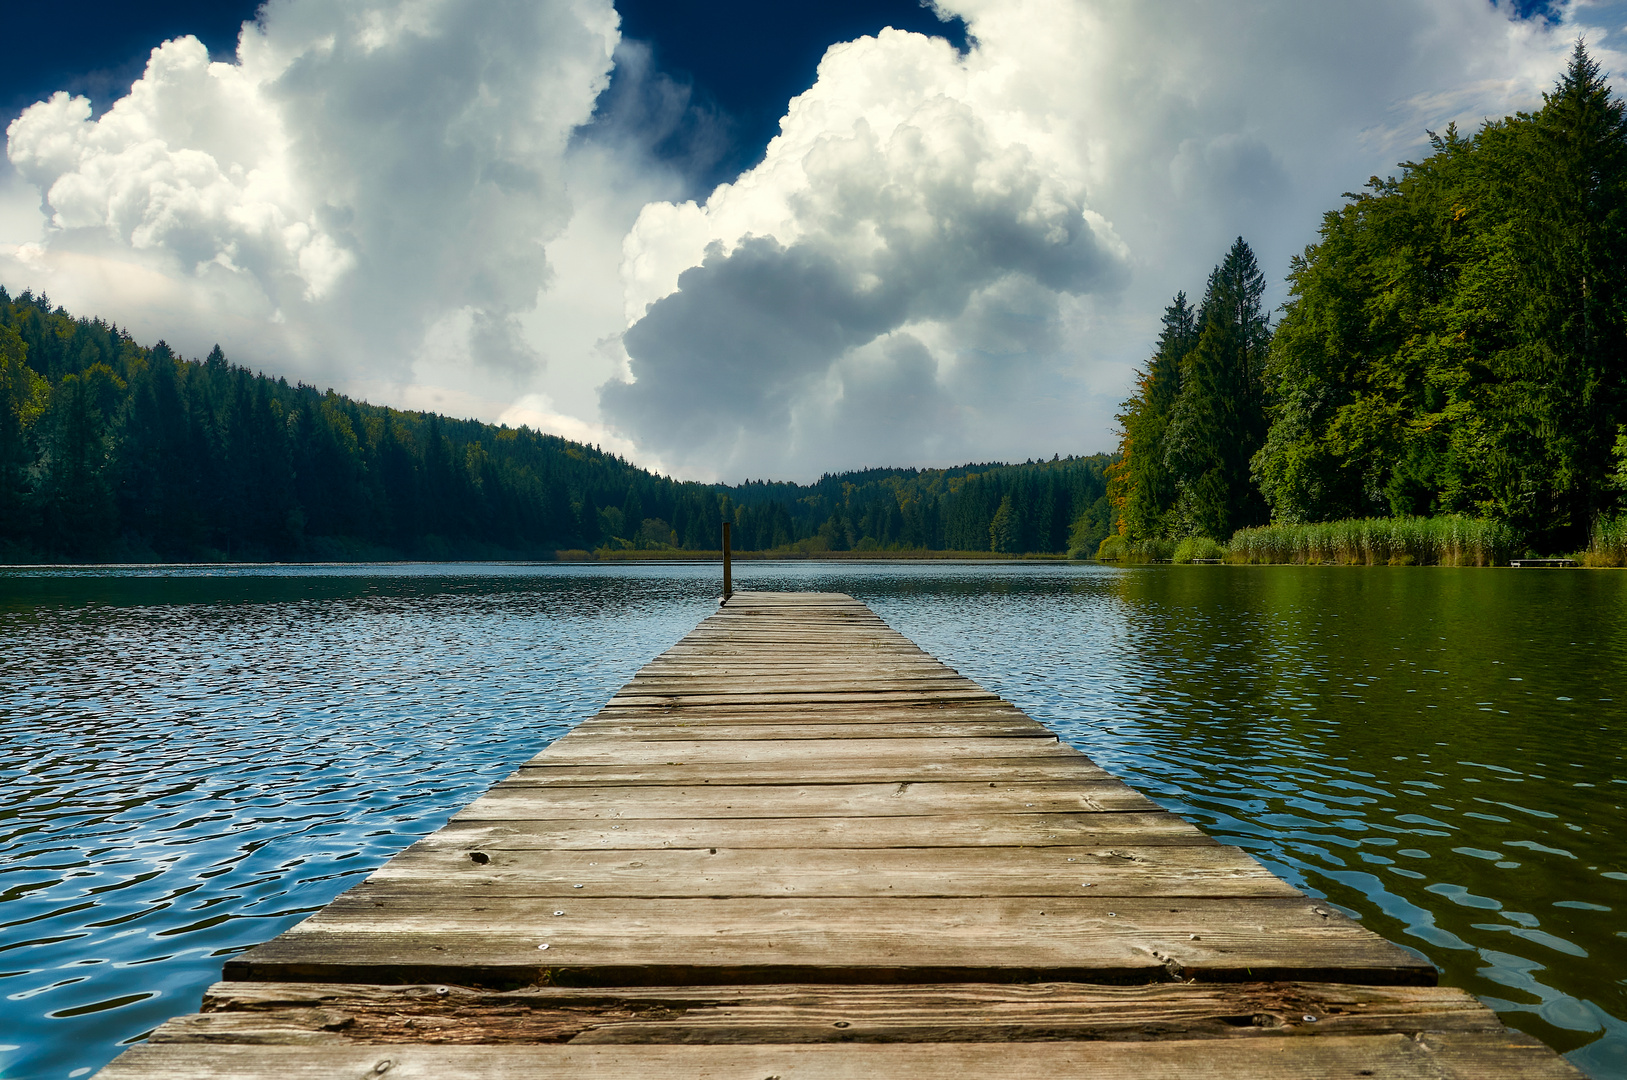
{"type": "Point", "coordinates": [797, 846]}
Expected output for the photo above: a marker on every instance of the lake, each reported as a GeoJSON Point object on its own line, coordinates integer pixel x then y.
{"type": "Point", "coordinates": [194, 759]}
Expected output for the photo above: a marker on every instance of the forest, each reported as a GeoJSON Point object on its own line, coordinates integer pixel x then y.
{"type": "Point", "coordinates": [114, 451]}
{"type": "Point", "coordinates": [1454, 344]}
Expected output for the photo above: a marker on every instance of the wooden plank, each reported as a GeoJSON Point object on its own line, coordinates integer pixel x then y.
{"type": "Point", "coordinates": [794, 718]}
{"type": "Point", "coordinates": [517, 802]}
{"type": "Point", "coordinates": [585, 750]}
{"type": "Point", "coordinates": [764, 644]}
{"type": "Point", "coordinates": [737, 673]}
{"type": "Point", "coordinates": [669, 664]}
{"type": "Point", "coordinates": [757, 651]}
{"type": "Point", "coordinates": [939, 872]}
{"type": "Point", "coordinates": [705, 728]}
{"type": "Point", "coordinates": [1442, 1056]}
{"type": "Point", "coordinates": [740, 671]}
{"type": "Point", "coordinates": [1118, 829]}
{"type": "Point", "coordinates": [771, 688]}
{"type": "Point", "coordinates": [821, 712]}
{"type": "Point", "coordinates": [313, 1013]}
{"type": "Point", "coordinates": [543, 770]}
{"type": "Point", "coordinates": [798, 696]}
{"type": "Point", "coordinates": [410, 935]}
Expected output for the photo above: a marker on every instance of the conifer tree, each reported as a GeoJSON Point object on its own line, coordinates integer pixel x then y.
{"type": "Point", "coordinates": [632, 510]}
{"type": "Point", "coordinates": [1219, 420]}
{"type": "Point", "coordinates": [1144, 486]}
{"type": "Point", "coordinates": [23, 397]}
{"type": "Point", "coordinates": [1003, 528]}
{"type": "Point", "coordinates": [80, 513]}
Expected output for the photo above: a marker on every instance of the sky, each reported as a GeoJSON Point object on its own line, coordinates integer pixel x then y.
{"type": "Point", "coordinates": [726, 240]}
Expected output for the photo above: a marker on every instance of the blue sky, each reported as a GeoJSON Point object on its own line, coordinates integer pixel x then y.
{"type": "Point", "coordinates": [727, 239]}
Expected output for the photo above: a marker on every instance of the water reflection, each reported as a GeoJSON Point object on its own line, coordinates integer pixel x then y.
{"type": "Point", "coordinates": [193, 761]}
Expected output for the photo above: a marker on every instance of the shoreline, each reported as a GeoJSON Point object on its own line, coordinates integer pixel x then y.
{"type": "Point", "coordinates": [678, 558]}
{"type": "Point", "coordinates": [671, 556]}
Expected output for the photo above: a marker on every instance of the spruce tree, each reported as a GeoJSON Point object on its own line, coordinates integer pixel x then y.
{"type": "Point", "coordinates": [1144, 484]}
{"type": "Point", "coordinates": [23, 397]}
{"type": "Point", "coordinates": [1003, 528]}
{"type": "Point", "coordinates": [1219, 420]}
{"type": "Point", "coordinates": [632, 510]}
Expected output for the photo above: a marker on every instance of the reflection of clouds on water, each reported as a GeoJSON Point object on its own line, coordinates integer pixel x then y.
{"type": "Point", "coordinates": [222, 752]}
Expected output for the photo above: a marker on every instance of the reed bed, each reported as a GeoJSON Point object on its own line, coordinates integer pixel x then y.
{"type": "Point", "coordinates": [1608, 546]}
{"type": "Point", "coordinates": [1197, 547]}
{"type": "Point", "coordinates": [1449, 540]}
{"type": "Point", "coordinates": [1115, 548]}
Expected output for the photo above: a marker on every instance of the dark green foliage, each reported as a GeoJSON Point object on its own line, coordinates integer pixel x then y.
{"type": "Point", "coordinates": [109, 450]}
{"type": "Point", "coordinates": [928, 509]}
{"type": "Point", "coordinates": [23, 396]}
{"type": "Point", "coordinates": [113, 451]}
{"type": "Point", "coordinates": [1219, 419]}
{"type": "Point", "coordinates": [1455, 343]}
{"type": "Point", "coordinates": [1457, 340]}
{"type": "Point", "coordinates": [1198, 416]}
{"type": "Point", "coordinates": [1143, 471]}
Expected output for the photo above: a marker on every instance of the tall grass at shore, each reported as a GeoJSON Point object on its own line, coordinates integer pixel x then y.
{"type": "Point", "coordinates": [1197, 548]}
{"type": "Point", "coordinates": [1608, 546]}
{"type": "Point", "coordinates": [1449, 540]}
{"type": "Point", "coordinates": [1115, 548]}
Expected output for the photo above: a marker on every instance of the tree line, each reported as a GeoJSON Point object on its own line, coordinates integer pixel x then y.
{"type": "Point", "coordinates": [1454, 343]}
{"type": "Point", "coordinates": [110, 450]}
{"type": "Point", "coordinates": [1051, 506]}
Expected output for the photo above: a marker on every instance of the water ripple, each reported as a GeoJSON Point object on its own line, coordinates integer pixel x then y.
{"type": "Point", "coordinates": [194, 764]}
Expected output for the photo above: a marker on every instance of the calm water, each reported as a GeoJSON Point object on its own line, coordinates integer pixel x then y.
{"type": "Point", "coordinates": [193, 760]}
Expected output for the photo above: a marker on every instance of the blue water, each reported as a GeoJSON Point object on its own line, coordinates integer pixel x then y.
{"type": "Point", "coordinates": [195, 759]}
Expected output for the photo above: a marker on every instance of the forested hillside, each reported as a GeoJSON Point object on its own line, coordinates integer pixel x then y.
{"type": "Point", "coordinates": [113, 450]}
{"type": "Point", "coordinates": [1049, 506]}
{"type": "Point", "coordinates": [1456, 342]}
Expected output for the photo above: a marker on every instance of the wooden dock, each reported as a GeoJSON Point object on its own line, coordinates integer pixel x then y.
{"type": "Point", "coordinates": [797, 846]}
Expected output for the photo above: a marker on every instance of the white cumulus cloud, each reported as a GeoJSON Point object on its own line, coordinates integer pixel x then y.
{"type": "Point", "coordinates": [896, 194]}
{"type": "Point", "coordinates": [364, 196]}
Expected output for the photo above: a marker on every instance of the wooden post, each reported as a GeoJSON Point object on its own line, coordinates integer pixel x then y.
{"type": "Point", "coordinates": [728, 577]}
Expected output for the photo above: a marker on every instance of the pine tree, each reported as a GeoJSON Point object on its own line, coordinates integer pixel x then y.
{"type": "Point", "coordinates": [1144, 486]}
{"type": "Point", "coordinates": [590, 525]}
{"type": "Point", "coordinates": [1219, 420]}
{"type": "Point", "coordinates": [1003, 528]}
{"type": "Point", "coordinates": [632, 510]}
{"type": "Point", "coordinates": [23, 397]}
{"type": "Point", "coordinates": [81, 516]}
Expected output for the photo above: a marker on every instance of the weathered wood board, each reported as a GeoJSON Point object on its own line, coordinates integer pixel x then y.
{"type": "Point", "coordinates": [1442, 1056]}
{"type": "Point", "coordinates": [307, 1013]}
{"type": "Point", "coordinates": [796, 845]}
